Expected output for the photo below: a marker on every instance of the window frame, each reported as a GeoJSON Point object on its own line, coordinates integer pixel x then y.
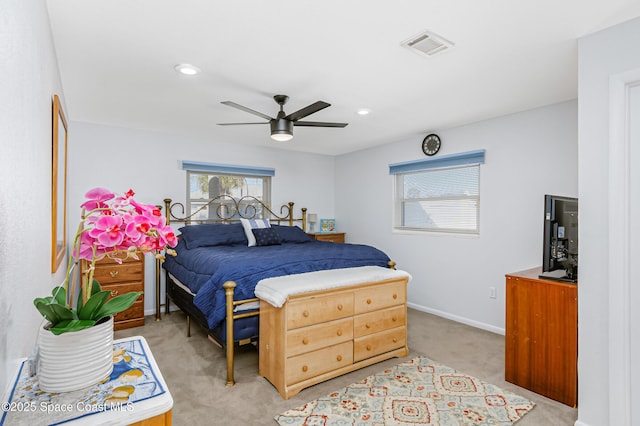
{"type": "Point", "coordinates": [193, 204]}
{"type": "Point", "coordinates": [443, 164]}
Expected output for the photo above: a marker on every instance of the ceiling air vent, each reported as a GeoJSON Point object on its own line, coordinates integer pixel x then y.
{"type": "Point", "coordinates": [428, 43]}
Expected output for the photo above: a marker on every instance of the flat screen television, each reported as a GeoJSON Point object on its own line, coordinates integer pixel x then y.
{"type": "Point", "coordinates": [560, 244]}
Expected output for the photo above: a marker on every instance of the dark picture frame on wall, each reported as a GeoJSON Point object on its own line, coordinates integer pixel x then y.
{"type": "Point", "coordinates": [58, 185]}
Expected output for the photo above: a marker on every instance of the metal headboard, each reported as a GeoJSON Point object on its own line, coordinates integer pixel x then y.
{"type": "Point", "coordinates": [226, 209]}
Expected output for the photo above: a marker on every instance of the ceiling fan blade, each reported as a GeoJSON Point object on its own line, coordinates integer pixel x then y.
{"type": "Point", "coordinates": [245, 109]}
{"type": "Point", "coordinates": [308, 110]}
{"type": "Point", "coordinates": [319, 124]}
{"type": "Point", "coordinates": [240, 124]}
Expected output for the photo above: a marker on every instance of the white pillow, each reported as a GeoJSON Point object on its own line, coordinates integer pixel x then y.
{"type": "Point", "coordinates": [249, 224]}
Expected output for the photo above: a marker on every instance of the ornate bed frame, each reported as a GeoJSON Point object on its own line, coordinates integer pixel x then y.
{"type": "Point", "coordinates": [222, 209]}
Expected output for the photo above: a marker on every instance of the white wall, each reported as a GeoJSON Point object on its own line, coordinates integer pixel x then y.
{"type": "Point", "coordinates": [149, 163]}
{"type": "Point", "coordinates": [528, 154]}
{"type": "Point", "coordinates": [28, 79]}
{"type": "Point", "coordinates": [601, 55]}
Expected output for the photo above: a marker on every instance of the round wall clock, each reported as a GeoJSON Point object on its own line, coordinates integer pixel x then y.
{"type": "Point", "coordinates": [431, 144]}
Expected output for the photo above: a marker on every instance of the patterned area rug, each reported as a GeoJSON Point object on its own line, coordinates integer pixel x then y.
{"type": "Point", "coordinates": [416, 392]}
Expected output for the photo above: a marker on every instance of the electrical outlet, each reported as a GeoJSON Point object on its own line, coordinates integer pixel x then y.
{"type": "Point", "coordinates": [492, 292]}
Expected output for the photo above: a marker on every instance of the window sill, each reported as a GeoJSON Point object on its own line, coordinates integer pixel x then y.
{"type": "Point", "coordinates": [434, 233]}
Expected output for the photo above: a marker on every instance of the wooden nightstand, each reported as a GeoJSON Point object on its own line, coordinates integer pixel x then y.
{"type": "Point", "coordinates": [332, 237]}
{"type": "Point", "coordinates": [120, 279]}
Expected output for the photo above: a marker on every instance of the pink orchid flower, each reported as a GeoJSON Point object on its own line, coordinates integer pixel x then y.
{"type": "Point", "coordinates": [121, 225]}
{"type": "Point", "coordinates": [108, 231]}
{"type": "Point", "coordinates": [97, 198]}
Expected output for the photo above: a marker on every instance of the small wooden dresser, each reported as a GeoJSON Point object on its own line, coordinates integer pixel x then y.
{"type": "Point", "coordinates": [120, 279]}
{"type": "Point", "coordinates": [319, 335]}
{"type": "Point", "coordinates": [332, 237]}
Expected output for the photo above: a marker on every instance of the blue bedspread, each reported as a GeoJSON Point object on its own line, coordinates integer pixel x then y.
{"type": "Point", "coordinates": [206, 269]}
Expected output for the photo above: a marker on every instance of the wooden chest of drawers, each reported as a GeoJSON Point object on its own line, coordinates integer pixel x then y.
{"type": "Point", "coordinates": [120, 279]}
{"type": "Point", "coordinates": [316, 336]}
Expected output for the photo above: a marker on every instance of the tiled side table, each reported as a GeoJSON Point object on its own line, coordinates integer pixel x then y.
{"type": "Point", "coordinates": [134, 394]}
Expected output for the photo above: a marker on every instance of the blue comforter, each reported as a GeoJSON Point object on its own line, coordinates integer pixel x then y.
{"type": "Point", "coordinates": [206, 269]}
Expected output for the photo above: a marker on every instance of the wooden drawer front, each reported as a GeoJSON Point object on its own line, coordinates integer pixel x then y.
{"type": "Point", "coordinates": [301, 313]}
{"type": "Point", "coordinates": [318, 336]}
{"type": "Point", "coordinates": [379, 343]}
{"type": "Point", "coordinates": [122, 288]}
{"type": "Point", "coordinates": [375, 322]}
{"type": "Point", "coordinates": [378, 297]}
{"type": "Point", "coordinates": [115, 273]}
{"type": "Point", "coordinates": [315, 363]}
{"type": "Point", "coordinates": [134, 312]}
{"type": "Point", "coordinates": [332, 238]}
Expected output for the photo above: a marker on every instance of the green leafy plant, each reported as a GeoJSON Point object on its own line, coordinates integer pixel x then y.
{"type": "Point", "coordinates": [114, 227]}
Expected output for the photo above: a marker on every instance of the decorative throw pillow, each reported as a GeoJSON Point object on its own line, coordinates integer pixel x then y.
{"type": "Point", "coordinates": [291, 234]}
{"type": "Point", "coordinates": [266, 236]}
{"type": "Point", "coordinates": [212, 234]}
{"type": "Point", "coordinates": [249, 224]}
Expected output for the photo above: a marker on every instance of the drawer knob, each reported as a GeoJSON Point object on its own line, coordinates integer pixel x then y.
{"type": "Point", "coordinates": [368, 301]}
{"type": "Point", "coordinates": [394, 319]}
{"type": "Point", "coordinates": [395, 296]}
{"type": "Point", "coordinates": [339, 358]}
{"type": "Point", "coordinates": [368, 347]}
{"type": "Point", "coordinates": [395, 340]}
{"type": "Point", "coordinates": [367, 325]}
{"type": "Point", "coordinates": [339, 332]}
{"type": "Point", "coordinates": [340, 307]}
{"type": "Point", "coordinates": [114, 293]}
{"type": "Point", "coordinates": [305, 341]}
{"type": "Point", "coordinates": [305, 368]}
{"type": "Point", "coordinates": [113, 274]}
{"type": "Point", "coordinates": [305, 314]}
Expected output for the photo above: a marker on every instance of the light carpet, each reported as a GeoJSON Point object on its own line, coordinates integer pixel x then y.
{"type": "Point", "coordinates": [416, 392]}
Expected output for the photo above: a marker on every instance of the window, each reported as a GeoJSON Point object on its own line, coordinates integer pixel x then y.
{"type": "Point", "coordinates": [208, 181]}
{"type": "Point", "coordinates": [439, 195]}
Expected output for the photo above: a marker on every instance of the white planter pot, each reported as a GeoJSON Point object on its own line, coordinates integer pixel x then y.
{"type": "Point", "coordinates": [75, 360]}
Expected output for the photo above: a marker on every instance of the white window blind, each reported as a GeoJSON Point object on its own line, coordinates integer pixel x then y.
{"type": "Point", "coordinates": [438, 195]}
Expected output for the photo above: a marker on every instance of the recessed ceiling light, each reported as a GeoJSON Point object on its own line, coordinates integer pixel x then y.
{"type": "Point", "coordinates": [187, 69]}
{"type": "Point", "coordinates": [363, 111]}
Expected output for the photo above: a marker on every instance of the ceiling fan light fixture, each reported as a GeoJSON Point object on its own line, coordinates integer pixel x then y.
{"type": "Point", "coordinates": [282, 125]}
{"type": "Point", "coordinates": [281, 130]}
{"type": "Point", "coordinates": [281, 137]}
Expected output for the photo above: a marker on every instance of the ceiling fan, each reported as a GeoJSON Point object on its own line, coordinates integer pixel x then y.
{"type": "Point", "coordinates": [282, 124]}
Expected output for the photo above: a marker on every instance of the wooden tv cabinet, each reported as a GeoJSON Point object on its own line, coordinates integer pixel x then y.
{"type": "Point", "coordinates": [541, 344]}
{"type": "Point", "coordinates": [320, 335]}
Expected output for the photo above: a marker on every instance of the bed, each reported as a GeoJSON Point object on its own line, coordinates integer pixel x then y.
{"type": "Point", "coordinates": [221, 258]}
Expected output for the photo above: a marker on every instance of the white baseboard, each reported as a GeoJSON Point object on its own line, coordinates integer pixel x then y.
{"type": "Point", "coordinates": [421, 308]}
{"type": "Point", "coordinates": [579, 423]}
{"type": "Point", "coordinates": [458, 318]}
{"type": "Point", "coordinates": [152, 311]}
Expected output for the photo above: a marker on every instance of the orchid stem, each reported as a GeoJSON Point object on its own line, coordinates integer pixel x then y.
{"type": "Point", "coordinates": [70, 287]}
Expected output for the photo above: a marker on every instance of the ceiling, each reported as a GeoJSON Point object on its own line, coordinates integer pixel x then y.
{"type": "Point", "coordinates": [117, 59]}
